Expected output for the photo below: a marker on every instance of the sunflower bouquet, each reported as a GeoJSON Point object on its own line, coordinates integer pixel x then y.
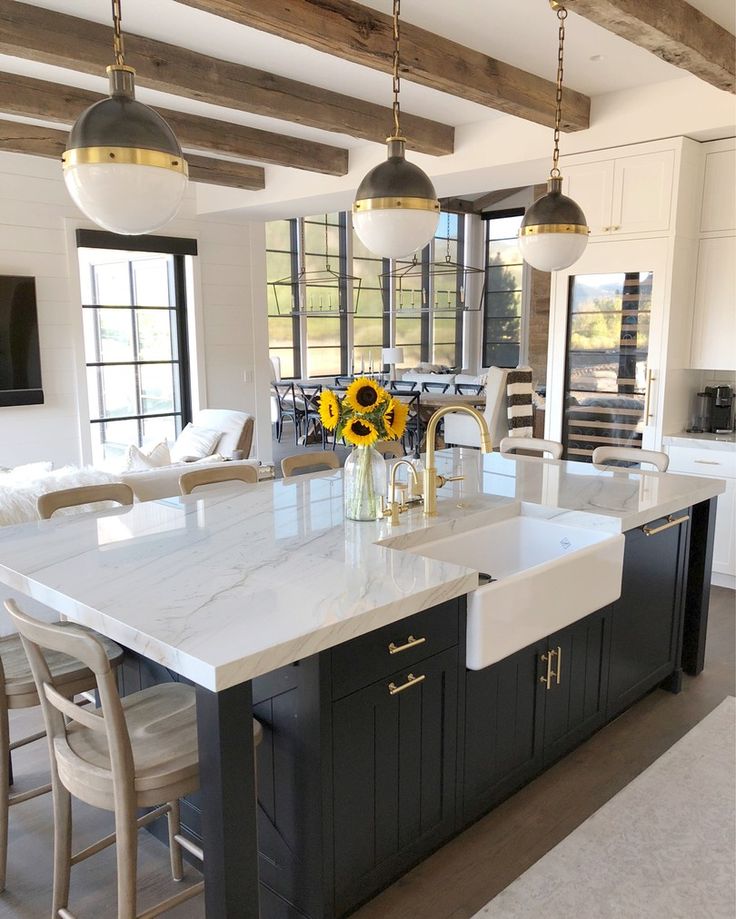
{"type": "Point", "coordinates": [365, 414]}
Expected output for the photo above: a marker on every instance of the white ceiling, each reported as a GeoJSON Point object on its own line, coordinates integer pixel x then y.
{"type": "Point", "coordinates": [522, 32]}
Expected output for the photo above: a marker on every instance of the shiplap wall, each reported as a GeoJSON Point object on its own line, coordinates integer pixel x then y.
{"type": "Point", "coordinates": [228, 340]}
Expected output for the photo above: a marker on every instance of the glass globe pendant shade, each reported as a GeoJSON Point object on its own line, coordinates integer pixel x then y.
{"type": "Point", "coordinates": [396, 210]}
{"type": "Point", "coordinates": [554, 232]}
{"type": "Point", "coordinates": [124, 167]}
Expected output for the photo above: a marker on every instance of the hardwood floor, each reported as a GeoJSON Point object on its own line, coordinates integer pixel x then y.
{"type": "Point", "coordinates": [456, 881]}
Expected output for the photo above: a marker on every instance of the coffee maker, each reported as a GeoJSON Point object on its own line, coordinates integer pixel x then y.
{"type": "Point", "coordinates": [719, 407]}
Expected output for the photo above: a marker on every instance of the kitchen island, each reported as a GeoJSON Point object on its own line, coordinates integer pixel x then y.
{"type": "Point", "coordinates": [240, 589]}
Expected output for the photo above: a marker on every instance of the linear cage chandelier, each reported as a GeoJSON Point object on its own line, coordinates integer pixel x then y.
{"type": "Point", "coordinates": [438, 288]}
{"type": "Point", "coordinates": [317, 293]}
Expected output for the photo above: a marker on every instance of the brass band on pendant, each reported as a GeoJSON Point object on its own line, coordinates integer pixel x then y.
{"type": "Point", "coordinates": [539, 228]}
{"type": "Point", "coordinates": [134, 156]}
{"type": "Point", "coordinates": [405, 203]}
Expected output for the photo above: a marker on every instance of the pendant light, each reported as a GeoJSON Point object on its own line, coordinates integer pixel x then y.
{"type": "Point", "coordinates": [124, 167]}
{"type": "Point", "coordinates": [554, 231]}
{"type": "Point", "coordinates": [396, 211]}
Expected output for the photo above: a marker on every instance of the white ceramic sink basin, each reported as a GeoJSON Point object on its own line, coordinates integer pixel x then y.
{"type": "Point", "coordinates": [547, 575]}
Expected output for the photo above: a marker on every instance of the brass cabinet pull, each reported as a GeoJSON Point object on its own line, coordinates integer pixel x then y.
{"type": "Point", "coordinates": [411, 642]}
{"type": "Point", "coordinates": [671, 522]}
{"type": "Point", "coordinates": [546, 658]}
{"type": "Point", "coordinates": [411, 680]}
{"type": "Point", "coordinates": [648, 397]}
{"type": "Point", "coordinates": [559, 664]}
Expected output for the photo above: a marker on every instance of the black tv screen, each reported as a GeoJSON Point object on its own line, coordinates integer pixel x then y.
{"type": "Point", "coordinates": [20, 358]}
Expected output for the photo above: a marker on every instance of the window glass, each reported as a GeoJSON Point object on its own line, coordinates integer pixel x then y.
{"type": "Point", "coordinates": [132, 348]}
{"type": "Point", "coordinates": [503, 297]}
{"type": "Point", "coordinates": [281, 256]}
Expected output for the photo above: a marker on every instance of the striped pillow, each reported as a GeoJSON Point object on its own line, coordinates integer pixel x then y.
{"type": "Point", "coordinates": [519, 402]}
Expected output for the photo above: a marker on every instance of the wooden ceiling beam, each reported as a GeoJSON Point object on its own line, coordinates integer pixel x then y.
{"type": "Point", "coordinates": [31, 98]}
{"type": "Point", "coordinates": [349, 30]}
{"type": "Point", "coordinates": [495, 197]}
{"type": "Point", "coordinates": [673, 30]}
{"type": "Point", "coordinates": [67, 41]}
{"type": "Point", "coordinates": [51, 143]}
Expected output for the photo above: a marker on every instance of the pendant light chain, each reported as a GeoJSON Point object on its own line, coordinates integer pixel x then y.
{"type": "Point", "coordinates": [562, 16]}
{"type": "Point", "coordinates": [396, 74]}
{"type": "Point", "coordinates": [118, 34]}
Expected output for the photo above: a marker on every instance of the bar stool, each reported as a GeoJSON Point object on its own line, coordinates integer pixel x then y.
{"type": "Point", "coordinates": [53, 501]}
{"type": "Point", "coordinates": [228, 472]}
{"type": "Point", "coordinates": [18, 690]}
{"type": "Point", "coordinates": [603, 455]}
{"type": "Point", "coordinates": [127, 754]}
{"type": "Point", "coordinates": [511, 445]}
{"type": "Point", "coordinates": [294, 465]}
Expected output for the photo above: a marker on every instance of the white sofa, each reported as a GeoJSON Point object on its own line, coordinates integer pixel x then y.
{"type": "Point", "coordinates": [163, 481]}
{"type": "Point", "coordinates": [462, 431]}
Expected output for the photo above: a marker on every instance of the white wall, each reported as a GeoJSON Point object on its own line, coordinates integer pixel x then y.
{"type": "Point", "coordinates": [229, 337]}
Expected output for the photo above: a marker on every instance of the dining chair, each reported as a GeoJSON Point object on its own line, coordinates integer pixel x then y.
{"type": "Point", "coordinates": [313, 461]}
{"type": "Point", "coordinates": [307, 402]}
{"type": "Point", "coordinates": [53, 501]}
{"type": "Point", "coordinates": [390, 448]}
{"type": "Point", "coordinates": [469, 389]}
{"type": "Point", "coordinates": [435, 387]}
{"type": "Point", "coordinates": [128, 754]}
{"type": "Point", "coordinates": [343, 382]}
{"type": "Point", "coordinates": [18, 691]}
{"type": "Point", "coordinates": [227, 472]}
{"type": "Point", "coordinates": [511, 445]}
{"type": "Point", "coordinates": [286, 409]}
{"type": "Point", "coordinates": [403, 385]}
{"type": "Point", "coordinates": [603, 455]}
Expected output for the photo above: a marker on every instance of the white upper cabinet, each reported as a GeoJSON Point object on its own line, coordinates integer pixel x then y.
{"type": "Point", "coordinates": [625, 195]}
{"type": "Point", "coordinates": [719, 190]}
{"type": "Point", "coordinates": [714, 322]}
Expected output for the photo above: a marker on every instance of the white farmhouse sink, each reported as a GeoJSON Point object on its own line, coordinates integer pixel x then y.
{"type": "Point", "coordinates": [546, 576]}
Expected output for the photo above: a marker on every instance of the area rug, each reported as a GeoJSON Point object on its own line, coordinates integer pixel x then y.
{"type": "Point", "coordinates": [662, 848]}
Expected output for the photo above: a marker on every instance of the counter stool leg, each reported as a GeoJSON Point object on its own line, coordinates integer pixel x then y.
{"type": "Point", "coordinates": [5, 781]}
{"type": "Point", "coordinates": [174, 821]}
{"type": "Point", "coordinates": [62, 848]}
{"type": "Point", "coordinates": [126, 832]}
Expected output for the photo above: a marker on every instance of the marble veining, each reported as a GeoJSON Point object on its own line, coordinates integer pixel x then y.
{"type": "Point", "coordinates": [228, 585]}
{"type": "Point", "coordinates": [702, 441]}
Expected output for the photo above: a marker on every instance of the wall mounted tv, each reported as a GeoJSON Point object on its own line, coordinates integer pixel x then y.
{"type": "Point", "coordinates": [20, 358]}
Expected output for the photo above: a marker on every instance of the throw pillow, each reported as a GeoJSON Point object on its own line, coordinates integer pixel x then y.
{"type": "Point", "coordinates": [138, 460]}
{"type": "Point", "coordinates": [194, 443]}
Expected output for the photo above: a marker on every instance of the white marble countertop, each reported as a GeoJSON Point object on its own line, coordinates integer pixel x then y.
{"type": "Point", "coordinates": [225, 587]}
{"type": "Point", "coordinates": [703, 440]}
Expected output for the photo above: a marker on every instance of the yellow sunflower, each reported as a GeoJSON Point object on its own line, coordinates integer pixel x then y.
{"type": "Point", "coordinates": [360, 432]}
{"type": "Point", "coordinates": [329, 409]}
{"type": "Point", "coordinates": [395, 419]}
{"type": "Point", "coordinates": [363, 395]}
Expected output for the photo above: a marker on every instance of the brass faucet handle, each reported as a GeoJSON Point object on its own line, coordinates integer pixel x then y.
{"type": "Point", "coordinates": [402, 488]}
{"type": "Point", "coordinates": [444, 479]}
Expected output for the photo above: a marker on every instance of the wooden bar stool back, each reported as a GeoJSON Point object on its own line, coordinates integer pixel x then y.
{"type": "Point", "coordinates": [390, 448]}
{"type": "Point", "coordinates": [604, 455]}
{"type": "Point", "coordinates": [313, 461]}
{"type": "Point", "coordinates": [54, 501]}
{"type": "Point", "coordinates": [18, 690]}
{"type": "Point", "coordinates": [228, 472]}
{"type": "Point", "coordinates": [511, 445]}
{"type": "Point", "coordinates": [127, 754]}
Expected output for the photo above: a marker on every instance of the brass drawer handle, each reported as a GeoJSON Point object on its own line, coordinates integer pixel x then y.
{"type": "Point", "coordinates": [411, 680]}
{"type": "Point", "coordinates": [411, 642]}
{"type": "Point", "coordinates": [546, 658]}
{"type": "Point", "coordinates": [671, 522]}
{"type": "Point", "coordinates": [559, 664]}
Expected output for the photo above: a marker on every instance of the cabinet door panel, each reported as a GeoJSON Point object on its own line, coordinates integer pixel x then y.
{"type": "Point", "coordinates": [642, 192]}
{"type": "Point", "coordinates": [501, 748]}
{"type": "Point", "coordinates": [575, 706]}
{"type": "Point", "coordinates": [394, 763]}
{"type": "Point", "coordinates": [646, 619]}
{"type": "Point", "coordinates": [591, 185]}
{"type": "Point", "coordinates": [724, 547]}
{"type": "Point", "coordinates": [714, 324]}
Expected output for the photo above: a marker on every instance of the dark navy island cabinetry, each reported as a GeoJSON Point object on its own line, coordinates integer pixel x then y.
{"type": "Point", "coordinates": [379, 750]}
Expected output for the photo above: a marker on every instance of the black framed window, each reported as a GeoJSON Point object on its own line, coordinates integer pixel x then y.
{"type": "Point", "coordinates": [447, 326]}
{"type": "Point", "coordinates": [504, 289]}
{"type": "Point", "coordinates": [135, 339]}
{"type": "Point", "coordinates": [372, 321]}
{"type": "Point", "coordinates": [282, 261]}
{"type": "Point", "coordinates": [324, 243]}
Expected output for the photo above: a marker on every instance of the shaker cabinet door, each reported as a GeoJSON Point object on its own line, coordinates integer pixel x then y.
{"type": "Point", "coordinates": [394, 767]}
{"type": "Point", "coordinates": [642, 193]}
{"type": "Point", "coordinates": [575, 694]}
{"type": "Point", "coordinates": [646, 620]}
{"type": "Point", "coordinates": [591, 185]}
